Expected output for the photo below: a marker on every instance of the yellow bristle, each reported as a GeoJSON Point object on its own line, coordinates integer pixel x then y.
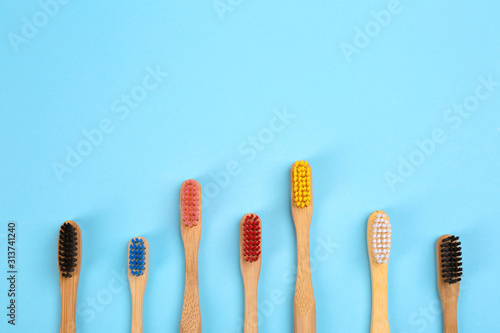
{"type": "Point", "coordinates": [302, 184]}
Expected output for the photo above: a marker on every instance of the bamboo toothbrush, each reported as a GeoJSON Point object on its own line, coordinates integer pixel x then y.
{"type": "Point", "coordinates": [191, 234]}
{"type": "Point", "coordinates": [70, 259]}
{"type": "Point", "coordinates": [304, 306]}
{"type": "Point", "coordinates": [449, 269]}
{"type": "Point", "coordinates": [379, 249]}
{"type": "Point", "coordinates": [250, 261]}
{"type": "Point", "coordinates": [138, 261]}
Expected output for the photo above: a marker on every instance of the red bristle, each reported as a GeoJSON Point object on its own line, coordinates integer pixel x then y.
{"type": "Point", "coordinates": [251, 238]}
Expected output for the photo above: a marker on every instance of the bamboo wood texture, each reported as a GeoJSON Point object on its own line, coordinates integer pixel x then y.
{"type": "Point", "coordinates": [137, 289]}
{"type": "Point", "coordinates": [448, 294]}
{"type": "Point", "coordinates": [191, 313]}
{"type": "Point", "coordinates": [304, 306]}
{"type": "Point", "coordinates": [69, 289]}
{"type": "Point", "coordinates": [380, 318]}
{"type": "Point", "coordinates": [250, 272]}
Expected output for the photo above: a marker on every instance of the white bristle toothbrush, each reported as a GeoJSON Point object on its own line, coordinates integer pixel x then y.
{"type": "Point", "coordinates": [379, 249]}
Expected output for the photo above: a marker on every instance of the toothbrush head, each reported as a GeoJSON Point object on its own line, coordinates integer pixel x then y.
{"type": "Point", "coordinates": [69, 249]}
{"type": "Point", "coordinates": [191, 203]}
{"type": "Point", "coordinates": [379, 237]}
{"type": "Point", "coordinates": [301, 184]}
{"type": "Point", "coordinates": [451, 260]}
{"type": "Point", "coordinates": [252, 237]}
{"type": "Point", "coordinates": [137, 256]}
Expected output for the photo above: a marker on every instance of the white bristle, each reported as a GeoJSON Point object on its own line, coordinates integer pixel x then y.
{"type": "Point", "coordinates": [381, 238]}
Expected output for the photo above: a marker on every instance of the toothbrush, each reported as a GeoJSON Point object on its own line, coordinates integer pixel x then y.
{"type": "Point", "coordinates": [138, 261]}
{"type": "Point", "coordinates": [250, 262]}
{"type": "Point", "coordinates": [191, 234]}
{"type": "Point", "coordinates": [70, 259]}
{"type": "Point", "coordinates": [449, 269]}
{"type": "Point", "coordinates": [379, 249]}
{"type": "Point", "coordinates": [304, 306]}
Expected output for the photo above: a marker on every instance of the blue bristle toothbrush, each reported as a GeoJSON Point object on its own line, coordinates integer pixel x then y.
{"type": "Point", "coordinates": [138, 256]}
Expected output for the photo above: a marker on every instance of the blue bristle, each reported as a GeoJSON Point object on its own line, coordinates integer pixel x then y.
{"type": "Point", "coordinates": [137, 262]}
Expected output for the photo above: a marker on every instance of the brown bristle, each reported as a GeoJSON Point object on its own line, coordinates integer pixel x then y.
{"type": "Point", "coordinates": [251, 238]}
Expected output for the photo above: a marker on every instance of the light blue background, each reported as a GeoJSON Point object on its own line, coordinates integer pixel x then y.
{"type": "Point", "coordinates": [353, 122]}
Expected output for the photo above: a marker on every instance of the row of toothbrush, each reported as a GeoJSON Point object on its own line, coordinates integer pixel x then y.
{"type": "Point", "coordinates": [379, 248]}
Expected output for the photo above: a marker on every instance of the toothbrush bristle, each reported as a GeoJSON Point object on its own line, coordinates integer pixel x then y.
{"type": "Point", "coordinates": [381, 238]}
{"type": "Point", "coordinates": [137, 257]}
{"type": "Point", "coordinates": [252, 235]}
{"type": "Point", "coordinates": [302, 184]}
{"type": "Point", "coordinates": [451, 260]}
{"type": "Point", "coordinates": [190, 203]}
{"type": "Point", "coordinates": [68, 241]}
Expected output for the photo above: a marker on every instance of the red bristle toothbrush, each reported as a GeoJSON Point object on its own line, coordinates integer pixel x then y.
{"type": "Point", "coordinates": [250, 262]}
{"type": "Point", "coordinates": [191, 235]}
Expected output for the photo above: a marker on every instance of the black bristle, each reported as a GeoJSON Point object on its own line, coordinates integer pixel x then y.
{"type": "Point", "coordinates": [451, 260]}
{"type": "Point", "coordinates": [68, 242]}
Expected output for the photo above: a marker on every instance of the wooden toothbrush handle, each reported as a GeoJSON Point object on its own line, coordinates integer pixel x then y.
{"type": "Point", "coordinates": [450, 317]}
{"type": "Point", "coordinates": [191, 314]}
{"type": "Point", "coordinates": [137, 305]}
{"type": "Point", "coordinates": [68, 306]}
{"type": "Point", "coordinates": [251, 319]}
{"type": "Point", "coordinates": [380, 318]}
{"type": "Point", "coordinates": [304, 309]}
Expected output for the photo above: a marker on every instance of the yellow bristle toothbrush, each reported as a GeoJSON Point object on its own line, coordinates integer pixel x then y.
{"type": "Point", "coordinates": [304, 306]}
{"type": "Point", "coordinates": [191, 235]}
{"type": "Point", "coordinates": [449, 269]}
{"type": "Point", "coordinates": [379, 249]}
{"type": "Point", "coordinates": [250, 261]}
{"type": "Point", "coordinates": [138, 261]}
{"type": "Point", "coordinates": [70, 260]}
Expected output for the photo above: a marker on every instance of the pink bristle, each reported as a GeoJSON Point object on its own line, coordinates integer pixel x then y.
{"type": "Point", "coordinates": [190, 199]}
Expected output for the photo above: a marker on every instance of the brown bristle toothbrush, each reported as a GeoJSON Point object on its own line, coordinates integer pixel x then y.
{"type": "Point", "coordinates": [449, 271]}
{"type": "Point", "coordinates": [379, 249]}
{"type": "Point", "coordinates": [138, 261]}
{"type": "Point", "coordinates": [191, 235]}
{"type": "Point", "coordinates": [70, 259]}
{"type": "Point", "coordinates": [304, 306]}
{"type": "Point", "coordinates": [250, 262]}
